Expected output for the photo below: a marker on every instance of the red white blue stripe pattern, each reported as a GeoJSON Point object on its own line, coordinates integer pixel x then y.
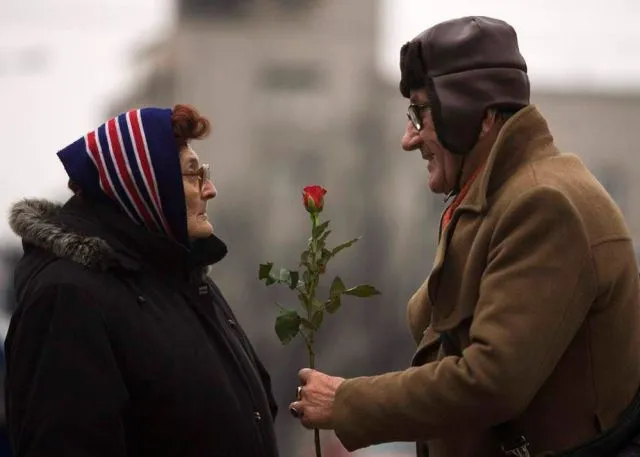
{"type": "Point", "coordinates": [133, 161]}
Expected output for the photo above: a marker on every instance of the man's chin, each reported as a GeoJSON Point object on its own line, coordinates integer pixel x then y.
{"type": "Point", "coordinates": [436, 188]}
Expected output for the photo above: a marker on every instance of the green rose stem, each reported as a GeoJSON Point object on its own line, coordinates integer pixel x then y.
{"type": "Point", "coordinates": [311, 293]}
{"type": "Point", "coordinates": [289, 323]}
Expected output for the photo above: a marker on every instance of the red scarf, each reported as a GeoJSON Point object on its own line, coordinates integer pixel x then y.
{"type": "Point", "coordinates": [448, 213]}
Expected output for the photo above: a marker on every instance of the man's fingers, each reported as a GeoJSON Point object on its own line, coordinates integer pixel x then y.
{"type": "Point", "coordinates": [304, 374]}
{"type": "Point", "coordinates": [296, 409]}
{"type": "Point", "coordinates": [304, 420]}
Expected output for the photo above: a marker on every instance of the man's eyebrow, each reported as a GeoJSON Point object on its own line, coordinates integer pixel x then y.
{"type": "Point", "coordinates": [416, 100]}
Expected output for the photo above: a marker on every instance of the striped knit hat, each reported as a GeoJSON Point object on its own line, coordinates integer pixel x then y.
{"type": "Point", "coordinates": [132, 160]}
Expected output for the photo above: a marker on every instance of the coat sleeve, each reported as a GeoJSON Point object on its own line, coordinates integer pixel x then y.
{"type": "Point", "coordinates": [536, 290]}
{"type": "Point", "coordinates": [65, 395]}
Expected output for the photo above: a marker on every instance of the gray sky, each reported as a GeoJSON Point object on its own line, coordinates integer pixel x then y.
{"type": "Point", "coordinates": [577, 43]}
{"type": "Point", "coordinates": [61, 61]}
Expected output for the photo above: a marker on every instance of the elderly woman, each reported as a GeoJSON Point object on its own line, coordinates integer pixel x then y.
{"type": "Point", "coordinates": [528, 326]}
{"type": "Point", "coordinates": [121, 345]}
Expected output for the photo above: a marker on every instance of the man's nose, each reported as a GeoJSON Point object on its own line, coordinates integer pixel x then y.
{"type": "Point", "coordinates": [411, 139]}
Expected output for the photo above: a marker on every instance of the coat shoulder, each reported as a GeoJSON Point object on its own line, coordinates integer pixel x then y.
{"type": "Point", "coordinates": [572, 180]}
{"type": "Point", "coordinates": [49, 272]}
{"type": "Point", "coordinates": [601, 215]}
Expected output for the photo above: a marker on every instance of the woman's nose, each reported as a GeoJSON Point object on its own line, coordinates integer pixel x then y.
{"type": "Point", "coordinates": [209, 190]}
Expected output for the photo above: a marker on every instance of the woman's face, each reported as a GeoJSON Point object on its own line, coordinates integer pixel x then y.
{"type": "Point", "coordinates": [198, 190]}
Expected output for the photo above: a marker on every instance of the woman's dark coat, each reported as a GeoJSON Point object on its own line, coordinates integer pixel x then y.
{"type": "Point", "coordinates": [122, 346]}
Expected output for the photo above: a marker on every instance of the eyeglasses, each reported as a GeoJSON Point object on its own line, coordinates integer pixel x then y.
{"type": "Point", "coordinates": [415, 113]}
{"type": "Point", "coordinates": [203, 174]}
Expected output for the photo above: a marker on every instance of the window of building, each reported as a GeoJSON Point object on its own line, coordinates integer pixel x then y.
{"type": "Point", "coordinates": [207, 9]}
{"type": "Point", "coordinates": [294, 4]}
{"type": "Point", "coordinates": [290, 77]}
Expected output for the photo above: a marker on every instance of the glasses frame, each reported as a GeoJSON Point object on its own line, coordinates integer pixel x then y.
{"type": "Point", "coordinates": [415, 114]}
{"type": "Point", "coordinates": [203, 174]}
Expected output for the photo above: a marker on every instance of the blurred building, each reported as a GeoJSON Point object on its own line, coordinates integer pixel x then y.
{"type": "Point", "coordinates": [294, 94]}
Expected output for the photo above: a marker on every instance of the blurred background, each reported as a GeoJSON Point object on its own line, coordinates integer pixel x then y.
{"type": "Point", "coordinates": [302, 92]}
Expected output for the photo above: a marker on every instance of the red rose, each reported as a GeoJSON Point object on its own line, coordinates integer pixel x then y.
{"type": "Point", "coordinates": [313, 198]}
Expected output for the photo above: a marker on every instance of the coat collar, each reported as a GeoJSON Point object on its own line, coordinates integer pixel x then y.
{"type": "Point", "coordinates": [523, 139]}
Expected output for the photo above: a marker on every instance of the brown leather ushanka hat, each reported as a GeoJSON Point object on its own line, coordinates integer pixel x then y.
{"type": "Point", "coordinates": [466, 65]}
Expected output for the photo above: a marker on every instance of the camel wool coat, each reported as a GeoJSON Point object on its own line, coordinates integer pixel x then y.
{"type": "Point", "coordinates": [535, 280]}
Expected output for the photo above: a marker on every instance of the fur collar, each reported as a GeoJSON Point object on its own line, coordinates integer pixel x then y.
{"type": "Point", "coordinates": [34, 220]}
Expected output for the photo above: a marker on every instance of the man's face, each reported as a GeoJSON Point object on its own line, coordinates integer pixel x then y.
{"type": "Point", "coordinates": [442, 165]}
{"type": "Point", "coordinates": [198, 189]}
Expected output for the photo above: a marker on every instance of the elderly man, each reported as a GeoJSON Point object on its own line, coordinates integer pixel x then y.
{"type": "Point", "coordinates": [528, 326]}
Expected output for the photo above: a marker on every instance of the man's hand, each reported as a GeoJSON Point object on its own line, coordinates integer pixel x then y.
{"type": "Point", "coordinates": [314, 405]}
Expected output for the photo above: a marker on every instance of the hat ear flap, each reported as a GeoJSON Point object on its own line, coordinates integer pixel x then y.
{"type": "Point", "coordinates": [412, 69]}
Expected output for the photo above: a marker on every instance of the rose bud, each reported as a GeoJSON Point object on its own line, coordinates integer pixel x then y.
{"type": "Point", "coordinates": [313, 198]}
